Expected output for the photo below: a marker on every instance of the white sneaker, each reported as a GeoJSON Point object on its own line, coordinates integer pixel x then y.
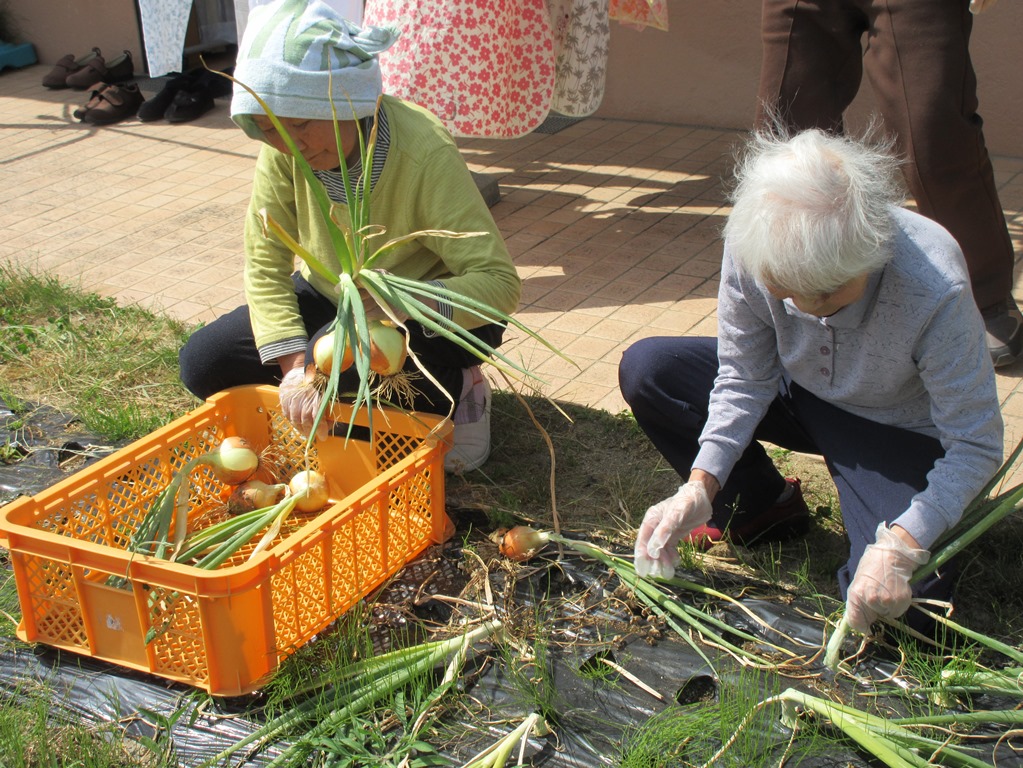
{"type": "Point", "coordinates": [471, 435]}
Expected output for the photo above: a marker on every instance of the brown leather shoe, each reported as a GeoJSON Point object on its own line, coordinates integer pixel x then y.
{"type": "Point", "coordinates": [57, 77]}
{"type": "Point", "coordinates": [111, 104]}
{"type": "Point", "coordinates": [98, 70]}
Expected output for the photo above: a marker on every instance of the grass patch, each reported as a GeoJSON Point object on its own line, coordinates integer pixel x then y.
{"type": "Point", "coordinates": [29, 738]}
{"type": "Point", "coordinates": [115, 368]}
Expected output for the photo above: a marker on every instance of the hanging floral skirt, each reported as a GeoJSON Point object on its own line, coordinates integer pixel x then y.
{"type": "Point", "coordinates": [484, 67]}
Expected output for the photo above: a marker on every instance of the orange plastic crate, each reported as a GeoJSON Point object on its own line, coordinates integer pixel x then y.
{"type": "Point", "coordinates": [225, 630]}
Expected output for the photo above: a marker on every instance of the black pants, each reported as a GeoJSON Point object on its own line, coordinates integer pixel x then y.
{"type": "Point", "coordinates": [223, 354]}
{"type": "Point", "coordinates": [876, 468]}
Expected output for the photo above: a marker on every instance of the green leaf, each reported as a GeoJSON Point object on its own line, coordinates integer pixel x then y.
{"type": "Point", "coordinates": [296, 248]}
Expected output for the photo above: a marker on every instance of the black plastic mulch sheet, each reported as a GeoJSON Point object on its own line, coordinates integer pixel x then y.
{"type": "Point", "coordinates": [595, 714]}
{"type": "Point", "coordinates": [48, 445]}
{"type": "Point", "coordinates": [603, 670]}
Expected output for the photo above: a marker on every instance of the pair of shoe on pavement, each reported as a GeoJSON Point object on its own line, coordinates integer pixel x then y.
{"type": "Point", "coordinates": [186, 97]}
{"type": "Point", "coordinates": [89, 71]}
{"type": "Point", "coordinates": [110, 103]}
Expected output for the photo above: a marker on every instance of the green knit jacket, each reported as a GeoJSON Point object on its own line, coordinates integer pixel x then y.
{"type": "Point", "coordinates": [424, 184]}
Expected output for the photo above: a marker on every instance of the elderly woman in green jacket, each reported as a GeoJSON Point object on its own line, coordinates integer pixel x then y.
{"type": "Point", "coordinates": [291, 54]}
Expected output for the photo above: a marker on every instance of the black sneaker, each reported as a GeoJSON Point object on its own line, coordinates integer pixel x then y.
{"type": "Point", "coordinates": [1004, 325]}
{"type": "Point", "coordinates": [189, 105]}
{"type": "Point", "coordinates": [156, 107]}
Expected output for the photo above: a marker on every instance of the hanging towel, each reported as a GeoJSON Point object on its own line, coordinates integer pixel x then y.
{"type": "Point", "coordinates": [164, 23]}
{"type": "Point", "coordinates": [582, 33]}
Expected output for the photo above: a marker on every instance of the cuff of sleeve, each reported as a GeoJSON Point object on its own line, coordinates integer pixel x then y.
{"type": "Point", "coordinates": [922, 524]}
{"type": "Point", "coordinates": [268, 354]}
{"type": "Point", "coordinates": [442, 306]}
{"type": "Point", "coordinates": [716, 460]}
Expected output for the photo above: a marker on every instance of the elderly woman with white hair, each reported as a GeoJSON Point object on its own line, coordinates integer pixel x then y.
{"type": "Point", "coordinates": [305, 61]}
{"type": "Point", "coordinates": [846, 328]}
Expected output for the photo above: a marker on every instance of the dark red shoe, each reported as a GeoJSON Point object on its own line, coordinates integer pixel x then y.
{"type": "Point", "coordinates": [790, 518]}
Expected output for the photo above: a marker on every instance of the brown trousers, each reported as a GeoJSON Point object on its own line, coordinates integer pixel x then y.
{"type": "Point", "coordinates": [917, 58]}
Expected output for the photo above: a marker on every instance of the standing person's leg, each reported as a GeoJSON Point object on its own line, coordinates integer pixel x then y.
{"type": "Point", "coordinates": [877, 470]}
{"type": "Point", "coordinates": [919, 66]}
{"type": "Point", "coordinates": [811, 67]}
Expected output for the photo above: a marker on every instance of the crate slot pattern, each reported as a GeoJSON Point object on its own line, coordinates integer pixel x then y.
{"type": "Point", "coordinates": [56, 609]}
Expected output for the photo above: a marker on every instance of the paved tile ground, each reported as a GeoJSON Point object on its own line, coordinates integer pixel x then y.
{"type": "Point", "coordinates": [614, 225]}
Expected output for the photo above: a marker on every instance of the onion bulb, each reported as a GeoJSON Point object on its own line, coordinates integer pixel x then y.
{"type": "Point", "coordinates": [387, 349]}
{"type": "Point", "coordinates": [255, 494]}
{"type": "Point", "coordinates": [323, 354]}
{"type": "Point", "coordinates": [521, 543]}
{"type": "Point", "coordinates": [309, 488]}
{"type": "Point", "coordinates": [234, 462]}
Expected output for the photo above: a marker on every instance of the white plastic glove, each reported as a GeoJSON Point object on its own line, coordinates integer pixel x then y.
{"type": "Point", "coordinates": [665, 524]}
{"type": "Point", "coordinates": [979, 6]}
{"type": "Point", "coordinates": [881, 584]}
{"type": "Point", "coordinates": [300, 402]}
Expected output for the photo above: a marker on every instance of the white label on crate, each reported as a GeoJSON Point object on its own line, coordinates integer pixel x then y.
{"type": "Point", "coordinates": [114, 623]}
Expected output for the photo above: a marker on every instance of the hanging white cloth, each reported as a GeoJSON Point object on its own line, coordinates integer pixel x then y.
{"type": "Point", "coordinates": [348, 9]}
{"type": "Point", "coordinates": [164, 23]}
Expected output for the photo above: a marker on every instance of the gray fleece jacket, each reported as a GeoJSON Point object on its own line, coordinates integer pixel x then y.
{"type": "Point", "coordinates": [910, 353]}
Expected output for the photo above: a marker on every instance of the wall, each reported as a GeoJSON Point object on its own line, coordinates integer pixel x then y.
{"type": "Point", "coordinates": [704, 70]}
{"type": "Point", "coordinates": [59, 27]}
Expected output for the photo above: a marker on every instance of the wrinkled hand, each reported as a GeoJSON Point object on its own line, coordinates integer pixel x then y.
{"type": "Point", "coordinates": [979, 6]}
{"type": "Point", "coordinates": [665, 524]}
{"type": "Point", "coordinates": [880, 587]}
{"type": "Point", "coordinates": [300, 402]}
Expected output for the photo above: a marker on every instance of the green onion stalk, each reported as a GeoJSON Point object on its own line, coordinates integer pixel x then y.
{"type": "Point", "coordinates": [979, 516]}
{"type": "Point", "coordinates": [896, 741]}
{"type": "Point", "coordinates": [357, 279]}
{"type": "Point", "coordinates": [497, 754]}
{"type": "Point", "coordinates": [523, 542]}
{"type": "Point", "coordinates": [234, 461]}
{"type": "Point", "coordinates": [1007, 682]}
{"type": "Point", "coordinates": [339, 696]}
{"type": "Point", "coordinates": [210, 547]}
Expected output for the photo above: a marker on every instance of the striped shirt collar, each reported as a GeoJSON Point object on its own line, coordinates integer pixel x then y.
{"type": "Point", "coordinates": [333, 181]}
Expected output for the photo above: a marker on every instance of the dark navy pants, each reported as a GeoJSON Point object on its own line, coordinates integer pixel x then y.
{"type": "Point", "coordinates": [876, 468]}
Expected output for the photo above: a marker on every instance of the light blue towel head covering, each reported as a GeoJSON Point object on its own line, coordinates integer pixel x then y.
{"type": "Point", "coordinates": [293, 52]}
